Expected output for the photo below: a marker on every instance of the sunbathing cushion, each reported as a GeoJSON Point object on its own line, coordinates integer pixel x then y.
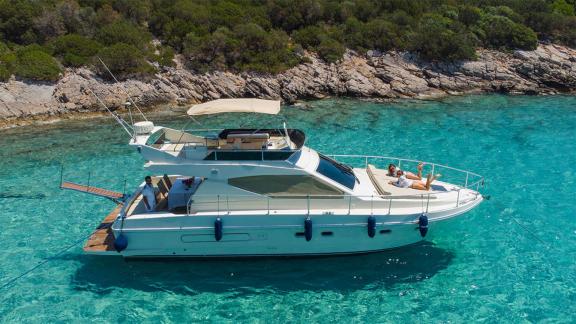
{"type": "Point", "coordinates": [378, 182]}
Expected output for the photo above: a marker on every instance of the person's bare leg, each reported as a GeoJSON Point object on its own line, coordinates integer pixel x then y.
{"type": "Point", "coordinates": [428, 181]}
{"type": "Point", "coordinates": [431, 178]}
{"type": "Point", "coordinates": [418, 185]}
{"type": "Point", "coordinates": [413, 176]}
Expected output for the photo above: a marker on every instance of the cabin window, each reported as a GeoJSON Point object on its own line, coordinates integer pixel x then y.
{"type": "Point", "coordinates": [284, 186]}
{"type": "Point", "coordinates": [234, 156]}
{"type": "Point", "coordinates": [157, 138]}
{"type": "Point", "coordinates": [248, 155]}
{"type": "Point", "coordinates": [277, 155]}
{"type": "Point", "coordinates": [338, 172]}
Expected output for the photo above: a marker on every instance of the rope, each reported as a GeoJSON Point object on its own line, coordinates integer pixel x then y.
{"type": "Point", "coordinates": [548, 246]}
{"type": "Point", "coordinates": [43, 262]}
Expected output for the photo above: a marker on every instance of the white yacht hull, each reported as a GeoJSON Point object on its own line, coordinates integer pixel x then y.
{"type": "Point", "coordinates": [274, 235]}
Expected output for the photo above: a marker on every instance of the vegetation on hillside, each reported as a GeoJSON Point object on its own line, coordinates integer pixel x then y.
{"type": "Point", "coordinates": [38, 38]}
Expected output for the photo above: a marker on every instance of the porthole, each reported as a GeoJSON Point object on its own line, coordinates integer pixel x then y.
{"type": "Point", "coordinates": [328, 233]}
{"type": "Point", "coordinates": [299, 234]}
{"type": "Point", "coordinates": [385, 231]}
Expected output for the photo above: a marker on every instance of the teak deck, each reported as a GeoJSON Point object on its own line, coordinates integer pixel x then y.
{"type": "Point", "coordinates": [102, 241]}
{"type": "Point", "coordinates": [91, 190]}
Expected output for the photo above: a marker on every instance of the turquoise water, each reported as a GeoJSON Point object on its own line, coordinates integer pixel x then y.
{"type": "Point", "coordinates": [510, 260]}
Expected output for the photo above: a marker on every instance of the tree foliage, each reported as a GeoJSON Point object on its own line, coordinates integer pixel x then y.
{"type": "Point", "coordinates": [33, 62]}
{"type": "Point", "coordinates": [124, 61]}
{"type": "Point", "coordinates": [74, 50]}
{"type": "Point", "coordinates": [267, 35]}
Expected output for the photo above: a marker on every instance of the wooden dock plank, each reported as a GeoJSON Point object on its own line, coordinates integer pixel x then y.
{"type": "Point", "coordinates": [92, 190]}
{"type": "Point", "coordinates": [103, 238]}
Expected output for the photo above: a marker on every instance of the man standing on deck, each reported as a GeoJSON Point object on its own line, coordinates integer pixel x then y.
{"type": "Point", "coordinates": [149, 194]}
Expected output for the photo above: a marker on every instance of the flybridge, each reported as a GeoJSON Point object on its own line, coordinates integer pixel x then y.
{"type": "Point", "coordinates": [228, 144]}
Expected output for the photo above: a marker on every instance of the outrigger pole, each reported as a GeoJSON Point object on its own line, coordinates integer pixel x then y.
{"type": "Point", "coordinates": [118, 119]}
{"type": "Point", "coordinates": [127, 126]}
{"type": "Point", "coordinates": [125, 92]}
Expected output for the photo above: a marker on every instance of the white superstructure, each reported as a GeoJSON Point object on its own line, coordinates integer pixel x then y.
{"type": "Point", "coordinates": [262, 192]}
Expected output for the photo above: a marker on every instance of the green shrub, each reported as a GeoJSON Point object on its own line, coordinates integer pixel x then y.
{"type": "Point", "coordinates": [124, 61]}
{"type": "Point", "coordinates": [562, 7]}
{"type": "Point", "coordinates": [309, 37]}
{"type": "Point", "coordinates": [248, 48]}
{"type": "Point", "coordinates": [4, 73]}
{"type": "Point", "coordinates": [330, 50]}
{"type": "Point", "coordinates": [9, 60]}
{"type": "Point", "coordinates": [469, 15]}
{"type": "Point", "coordinates": [124, 32]}
{"type": "Point", "coordinates": [17, 21]}
{"type": "Point", "coordinates": [436, 39]}
{"type": "Point", "coordinates": [35, 64]}
{"type": "Point", "coordinates": [501, 32]}
{"type": "Point", "coordinates": [382, 35]}
{"type": "Point", "coordinates": [75, 50]}
{"type": "Point", "coordinates": [165, 56]}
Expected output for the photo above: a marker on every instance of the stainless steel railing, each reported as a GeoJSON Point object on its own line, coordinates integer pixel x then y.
{"type": "Point", "coordinates": [471, 179]}
{"type": "Point", "coordinates": [308, 204]}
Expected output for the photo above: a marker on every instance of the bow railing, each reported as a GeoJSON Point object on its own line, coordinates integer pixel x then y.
{"type": "Point", "coordinates": [463, 178]}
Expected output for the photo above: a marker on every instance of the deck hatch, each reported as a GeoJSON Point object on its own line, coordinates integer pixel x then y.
{"type": "Point", "coordinates": [285, 186]}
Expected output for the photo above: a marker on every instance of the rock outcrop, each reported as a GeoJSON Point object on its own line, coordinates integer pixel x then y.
{"type": "Point", "coordinates": [547, 70]}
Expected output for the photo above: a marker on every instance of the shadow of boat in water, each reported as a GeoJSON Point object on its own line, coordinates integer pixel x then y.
{"type": "Point", "coordinates": [250, 276]}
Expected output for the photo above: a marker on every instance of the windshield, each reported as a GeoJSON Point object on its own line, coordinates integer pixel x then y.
{"type": "Point", "coordinates": [156, 137]}
{"type": "Point", "coordinates": [338, 172]}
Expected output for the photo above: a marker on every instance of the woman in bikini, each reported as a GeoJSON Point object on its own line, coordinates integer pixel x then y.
{"type": "Point", "coordinates": [404, 182]}
{"type": "Point", "coordinates": [393, 170]}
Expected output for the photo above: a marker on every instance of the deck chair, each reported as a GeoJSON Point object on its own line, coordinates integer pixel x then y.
{"type": "Point", "coordinates": [167, 181]}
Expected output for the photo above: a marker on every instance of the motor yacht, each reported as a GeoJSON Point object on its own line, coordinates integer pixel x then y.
{"type": "Point", "coordinates": [250, 192]}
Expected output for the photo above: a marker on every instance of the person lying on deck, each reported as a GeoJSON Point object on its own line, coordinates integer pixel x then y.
{"type": "Point", "coordinates": [404, 182]}
{"type": "Point", "coordinates": [393, 172]}
{"type": "Point", "coordinates": [149, 194]}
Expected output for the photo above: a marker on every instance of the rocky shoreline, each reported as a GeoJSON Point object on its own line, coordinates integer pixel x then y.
{"type": "Point", "coordinates": [550, 69]}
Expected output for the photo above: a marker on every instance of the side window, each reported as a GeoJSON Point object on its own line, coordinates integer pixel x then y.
{"type": "Point", "coordinates": [284, 185]}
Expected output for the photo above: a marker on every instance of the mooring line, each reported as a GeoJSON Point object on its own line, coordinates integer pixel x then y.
{"type": "Point", "coordinates": [548, 246]}
{"type": "Point", "coordinates": [43, 262]}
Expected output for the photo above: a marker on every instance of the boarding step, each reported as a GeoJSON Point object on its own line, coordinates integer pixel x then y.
{"type": "Point", "coordinates": [92, 190]}
{"type": "Point", "coordinates": [102, 240]}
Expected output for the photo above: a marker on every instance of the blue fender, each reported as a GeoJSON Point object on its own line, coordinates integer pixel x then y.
{"type": "Point", "coordinates": [308, 229]}
{"type": "Point", "coordinates": [120, 243]}
{"type": "Point", "coordinates": [218, 229]}
{"type": "Point", "coordinates": [371, 226]}
{"type": "Point", "coordinates": [423, 225]}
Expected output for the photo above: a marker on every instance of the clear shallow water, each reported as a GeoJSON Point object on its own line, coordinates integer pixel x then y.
{"type": "Point", "coordinates": [482, 266]}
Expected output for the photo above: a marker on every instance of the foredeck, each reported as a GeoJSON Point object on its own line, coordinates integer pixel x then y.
{"type": "Point", "coordinates": [102, 241]}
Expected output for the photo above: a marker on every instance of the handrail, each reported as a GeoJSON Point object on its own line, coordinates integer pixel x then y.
{"type": "Point", "coordinates": [366, 158]}
{"type": "Point", "coordinates": [370, 202]}
{"type": "Point", "coordinates": [401, 159]}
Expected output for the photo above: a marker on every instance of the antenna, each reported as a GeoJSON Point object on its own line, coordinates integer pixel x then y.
{"type": "Point", "coordinates": [123, 89]}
